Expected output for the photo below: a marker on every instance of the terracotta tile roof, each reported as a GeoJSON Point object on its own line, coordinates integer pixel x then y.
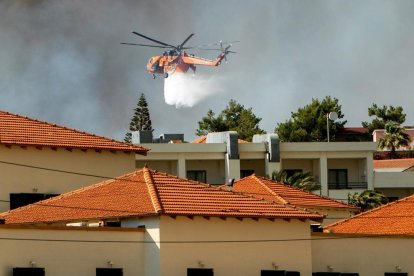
{"type": "Point", "coordinates": [267, 189]}
{"type": "Point", "coordinates": [200, 140]}
{"type": "Point", "coordinates": [150, 193]}
{"type": "Point", "coordinates": [395, 218]}
{"type": "Point", "coordinates": [24, 131]}
{"type": "Point", "coordinates": [397, 164]}
{"type": "Point", "coordinates": [203, 139]}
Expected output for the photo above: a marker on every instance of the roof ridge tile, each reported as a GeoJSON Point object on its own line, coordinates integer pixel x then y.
{"type": "Point", "coordinates": [257, 179]}
{"type": "Point", "coordinates": [149, 181]}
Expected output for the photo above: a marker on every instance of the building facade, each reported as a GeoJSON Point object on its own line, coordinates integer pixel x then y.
{"type": "Point", "coordinates": [376, 242]}
{"type": "Point", "coordinates": [187, 227]}
{"type": "Point", "coordinates": [340, 167]}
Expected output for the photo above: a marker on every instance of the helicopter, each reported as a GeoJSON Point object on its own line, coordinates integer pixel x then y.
{"type": "Point", "coordinates": [176, 59]}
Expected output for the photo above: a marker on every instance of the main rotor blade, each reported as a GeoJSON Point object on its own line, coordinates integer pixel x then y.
{"type": "Point", "coordinates": [218, 44]}
{"type": "Point", "coordinates": [146, 45]}
{"type": "Point", "coordinates": [185, 41]}
{"type": "Point", "coordinates": [219, 50]}
{"type": "Point", "coordinates": [211, 49]}
{"type": "Point", "coordinates": [153, 40]}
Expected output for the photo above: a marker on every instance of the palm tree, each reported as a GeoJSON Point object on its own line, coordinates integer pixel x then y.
{"type": "Point", "coordinates": [367, 199]}
{"type": "Point", "coordinates": [394, 138]}
{"type": "Point", "coordinates": [301, 180]}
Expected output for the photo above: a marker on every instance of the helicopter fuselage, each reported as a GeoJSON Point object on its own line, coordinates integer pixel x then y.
{"type": "Point", "coordinates": [179, 63]}
{"type": "Point", "coordinates": [167, 64]}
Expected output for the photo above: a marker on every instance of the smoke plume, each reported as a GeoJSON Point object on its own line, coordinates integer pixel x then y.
{"type": "Point", "coordinates": [62, 62]}
{"type": "Point", "coordinates": [187, 90]}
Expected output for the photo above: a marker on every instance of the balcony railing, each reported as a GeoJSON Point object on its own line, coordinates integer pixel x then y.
{"type": "Point", "coordinates": [349, 185]}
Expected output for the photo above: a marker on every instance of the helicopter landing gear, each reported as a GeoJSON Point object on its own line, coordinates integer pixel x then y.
{"type": "Point", "coordinates": [165, 75]}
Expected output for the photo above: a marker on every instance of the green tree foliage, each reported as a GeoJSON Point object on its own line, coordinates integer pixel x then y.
{"type": "Point", "coordinates": [234, 117]}
{"type": "Point", "coordinates": [301, 180]}
{"type": "Point", "coordinates": [367, 199]}
{"type": "Point", "coordinates": [308, 124]}
{"type": "Point", "coordinates": [383, 115]}
{"type": "Point", "coordinates": [141, 119]}
{"type": "Point", "coordinates": [394, 138]}
{"type": "Point", "coordinates": [210, 123]}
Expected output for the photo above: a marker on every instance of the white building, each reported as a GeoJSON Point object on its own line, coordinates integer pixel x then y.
{"type": "Point", "coordinates": [340, 167]}
{"type": "Point", "coordinates": [165, 226]}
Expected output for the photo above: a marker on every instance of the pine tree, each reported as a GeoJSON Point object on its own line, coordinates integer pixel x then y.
{"type": "Point", "coordinates": [382, 116]}
{"type": "Point", "coordinates": [234, 117]}
{"type": "Point", "coordinates": [141, 119]}
{"type": "Point", "coordinates": [308, 124]}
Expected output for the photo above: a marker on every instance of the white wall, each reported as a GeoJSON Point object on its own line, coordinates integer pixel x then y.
{"type": "Point", "coordinates": [151, 257]}
{"type": "Point", "coordinates": [167, 166]}
{"type": "Point", "coordinates": [332, 214]}
{"type": "Point", "coordinates": [19, 179]}
{"type": "Point", "coordinates": [366, 256]}
{"type": "Point", "coordinates": [257, 165]}
{"type": "Point", "coordinates": [394, 179]}
{"type": "Point", "coordinates": [198, 240]}
{"type": "Point", "coordinates": [71, 252]}
{"type": "Point", "coordinates": [214, 169]}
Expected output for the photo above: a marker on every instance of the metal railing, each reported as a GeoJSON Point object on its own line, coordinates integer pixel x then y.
{"type": "Point", "coordinates": [349, 185]}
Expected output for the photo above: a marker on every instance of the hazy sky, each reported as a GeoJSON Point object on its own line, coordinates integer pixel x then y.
{"type": "Point", "coordinates": [62, 62]}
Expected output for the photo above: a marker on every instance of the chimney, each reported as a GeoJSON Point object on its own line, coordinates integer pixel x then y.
{"type": "Point", "coordinates": [142, 137]}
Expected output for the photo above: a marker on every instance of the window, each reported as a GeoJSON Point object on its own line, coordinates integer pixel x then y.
{"type": "Point", "coordinates": [245, 173]}
{"type": "Point", "coordinates": [22, 199]}
{"type": "Point", "coordinates": [200, 176]}
{"type": "Point", "coordinates": [200, 272]}
{"type": "Point", "coordinates": [112, 223]}
{"type": "Point", "coordinates": [316, 227]}
{"type": "Point", "coordinates": [28, 271]}
{"type": "Point", "coordinates": [338, 179]}
{"type": "Point", "coordinates": [109, 272]}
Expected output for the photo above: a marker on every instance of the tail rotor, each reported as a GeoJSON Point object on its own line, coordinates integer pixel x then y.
{"type": "Point", "coordinates": [225, 50]}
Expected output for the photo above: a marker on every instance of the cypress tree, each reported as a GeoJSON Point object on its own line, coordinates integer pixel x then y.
{"type": "Point", "coordinates": [141, 119]}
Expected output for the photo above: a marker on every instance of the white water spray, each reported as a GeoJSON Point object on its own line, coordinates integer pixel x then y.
{"type": "Point", "coordinates": [186, 90]}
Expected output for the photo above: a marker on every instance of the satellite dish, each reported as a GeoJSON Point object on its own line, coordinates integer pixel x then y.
{"type": "Point", "coordinates": [333, 115]}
